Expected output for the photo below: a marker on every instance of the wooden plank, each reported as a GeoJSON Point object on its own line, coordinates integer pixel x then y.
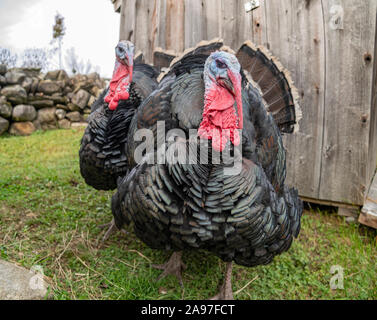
{"type": "Point", "coordinates": [155, 26]}
{"type": "Point", "coordinates": [349, 30]}
{"type": "Point", "coordinates": [368, 214]}
{"type": "Point", "coordinates": [303, 55]}
{"type": "Point", "coordinates": [370, 58]}
{"type": "Point", "coordinates": [259, 23]}
{"type": "Point", "coordinates": [212, 19]}
{"type": "Point", "coordinates": [175, 25]}
{"type": "Point", "coordinates": [127, 23]}
{"type": "Point", "coordinates": [144, 28]}
{"type": "Point", "coordinates": [244, 25]}
{"type": "Point", "coordinates": [348, 212]}
{"type": "Point", "coordinates": [194, 23]}
{"type": "Point", "coordinates": [161, 30]}
{"type": "Point", "coordinates": [329, 203]}
{"type": "Point", "coordinates": [228, 23]}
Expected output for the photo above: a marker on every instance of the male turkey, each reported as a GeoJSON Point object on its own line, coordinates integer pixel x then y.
{"type": "Point", "coordinates": [102, 151]}
{"type": "Point", "coordinates": [247, 217]}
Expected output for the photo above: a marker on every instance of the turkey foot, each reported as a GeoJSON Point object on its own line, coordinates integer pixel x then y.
{"type": "Point", "coordinates": [173, 266]}
{"type": "Point", "coordinates": [226, 292]}
{"type": "Point", "coordinates": [111, 228]}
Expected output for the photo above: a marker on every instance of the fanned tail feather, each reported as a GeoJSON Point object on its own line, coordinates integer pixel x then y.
{"type": "Point", "coordinates": [274, 82]}
{"type": "Point", "coordinates": [201, 51]}
{"type": "Point", "coordinates": [139, 57]}
{"type": "Point", "coordinates": [162, 58]}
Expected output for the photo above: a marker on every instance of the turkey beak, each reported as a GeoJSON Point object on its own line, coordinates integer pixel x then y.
{"type": "Point", "coordinates": [129, 59]}
{"type": "Point", "coordinates": [228, 84]}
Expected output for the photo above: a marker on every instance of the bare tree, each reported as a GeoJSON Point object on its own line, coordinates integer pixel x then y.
{"type": "Point", "coordinates": [36, 58]}
{"type": "Point", "coordinates": [72, 60]}
{"type": "Point", "coordinates": [8, 58]}
{"type": "Point", "coordinates": [58, 34]}
{"type": "Point", "coordinates": [76, 65]}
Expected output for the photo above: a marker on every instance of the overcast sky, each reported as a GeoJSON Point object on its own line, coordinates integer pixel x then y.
{"type": "Point", "coordinates": [92, 27]}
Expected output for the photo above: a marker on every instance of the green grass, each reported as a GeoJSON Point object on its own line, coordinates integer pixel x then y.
{"type": "Point", "coordinates": [49, 217]}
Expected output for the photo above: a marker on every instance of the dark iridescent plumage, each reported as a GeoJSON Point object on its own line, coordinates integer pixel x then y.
{"type": "Point", "coordinates": [102, 151]}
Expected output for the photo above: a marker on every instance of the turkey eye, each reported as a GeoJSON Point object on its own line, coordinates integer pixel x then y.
{"type": "Point", "coordinates": [220, 64]}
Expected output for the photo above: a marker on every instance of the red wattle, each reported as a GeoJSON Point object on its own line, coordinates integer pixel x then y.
{"type": "Point", "coordinates": [119, 85]}
{"type": "Point", "coordinates": [220, 122]}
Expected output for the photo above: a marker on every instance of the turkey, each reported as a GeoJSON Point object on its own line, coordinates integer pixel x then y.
{"type": "Point", "coordinates": [102, 151]}
{"type": "Point", "coordinates": [217, 181]}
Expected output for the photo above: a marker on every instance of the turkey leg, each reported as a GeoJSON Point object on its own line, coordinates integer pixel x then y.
{"type": "Point", "coordinates": [173, 266]}
{"type": "Point", "coordinates": [226, 292]}
{"type": "Point", "coordinates": [111, 229]}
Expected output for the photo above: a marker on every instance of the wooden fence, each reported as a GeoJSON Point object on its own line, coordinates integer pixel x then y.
{"type": "Point", "coordinates": [329, 47]}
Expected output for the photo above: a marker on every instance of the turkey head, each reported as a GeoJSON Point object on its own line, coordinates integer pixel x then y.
{"type": "Point", "coordinates": [122, 75]}
{"type": "Point", "coordinates": [222, 115]}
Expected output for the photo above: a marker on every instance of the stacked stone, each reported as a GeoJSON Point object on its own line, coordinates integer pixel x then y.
{"type": "Point", "coordinates": [30, 100]}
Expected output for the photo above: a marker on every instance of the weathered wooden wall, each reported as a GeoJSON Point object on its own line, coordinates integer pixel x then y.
{"type": "Point", "coordinates": [329, 47]}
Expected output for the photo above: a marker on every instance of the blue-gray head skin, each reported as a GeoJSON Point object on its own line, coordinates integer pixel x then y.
{"type": "Point", "coordinates": [124, 52]}
{"type": "Point", "coordinates": [218, 67]}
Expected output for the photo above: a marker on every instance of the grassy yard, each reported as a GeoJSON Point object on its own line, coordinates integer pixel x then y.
{"type": "Point", "coordinates": [49, 217]}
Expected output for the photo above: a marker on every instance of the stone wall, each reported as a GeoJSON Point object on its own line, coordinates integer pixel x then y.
{"type": "Point", "coordinates": [30, 100]}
